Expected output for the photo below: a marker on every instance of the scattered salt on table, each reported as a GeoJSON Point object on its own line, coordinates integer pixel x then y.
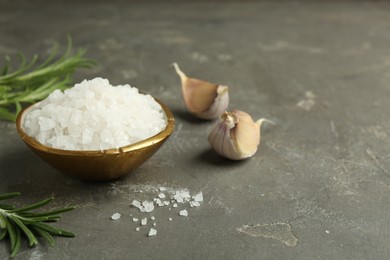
{"type": "Point", "coordinates": [183, 213]}
{"type": "Point", "coordinates": [148, 206]}
{"type": "Point", "coordinates": [115, 216]}
{"type": "Point", "coordinates": [194, 204]}
{"type": "Point", "coordinates": [181, 196]}
{"type": "Point", "coordinates": [199, 197]}
{"type": "Point", "coordinates": [145, 206]}
{"type": "Point", "coordinates": [152, 232]}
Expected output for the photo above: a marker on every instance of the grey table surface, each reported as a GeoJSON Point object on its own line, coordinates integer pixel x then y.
{"type": "Point", "coordinates": [318, 187]}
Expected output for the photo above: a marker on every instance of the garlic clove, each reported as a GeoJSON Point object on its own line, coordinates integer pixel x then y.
{"type": "Point", "coordinates": [203, 99]}
{"type": "Point", "coordinates": [245, 135]}
{"type": "Point", "coordinates": [236, 136]}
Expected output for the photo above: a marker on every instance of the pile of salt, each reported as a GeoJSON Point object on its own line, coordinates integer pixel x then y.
{"type": "Point", "coordinates": [94, 115]}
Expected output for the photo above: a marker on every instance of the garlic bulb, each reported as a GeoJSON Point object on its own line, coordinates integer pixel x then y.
{"type": "Point", "coordinates": [203, 99]}
{"type": "Point", "coordinates": [236, 136]}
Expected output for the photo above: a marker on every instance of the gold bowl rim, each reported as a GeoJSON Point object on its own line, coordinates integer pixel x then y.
{"type": "Point", "coordinates": [95, 153]}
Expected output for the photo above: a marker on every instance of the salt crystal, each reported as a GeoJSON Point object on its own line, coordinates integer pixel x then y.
{"type": "Point", "coordinates": [181, 196]}
{"type": "Point", "coordinates": [148, 206]}
{"type": "Point", "coordinates": [170, 219]}
{"type": "Point", "coordinates": [136, 204]}
{"type": "Point", "coordinates": [199, 197]}
{"type": "Point", "coordinates": [161, 195]}
{"type": "Point", "coordinates": [135, 219]}
{"type": "Point", "coordinates": [144, 221]}
{"type": "Point", "coordinates": [137, 228]}
{"type": "Point", "coordinates": [179, 199]}
{"type": "Point", "coordinates": [166, 203]}
{"type": "Point", "coordinates": [152, 218]}
{"type": "Point", "coordinates": [115, 216]}
{"type": "Point", "coordinates": [174, 205]}
{"type": "Point", "coordinates": [163, 189]}
{"type": "Point", "coordinates": [183, 213]}
{"type": "Point", "coordinates": [145, 206]}
{"type": "Point", "coordinates": [94, 115]}
{"type": "Point", "coordinates": [154, 224]}
{"type": "Point", "coordinates": [152, 232]}
{"type": "Point", "coordinates": [194, 204]}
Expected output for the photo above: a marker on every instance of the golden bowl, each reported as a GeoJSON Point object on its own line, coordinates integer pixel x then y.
{"type": "Point", "coordinates": [98, 165]}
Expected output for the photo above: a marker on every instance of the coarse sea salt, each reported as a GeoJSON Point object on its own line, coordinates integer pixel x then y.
{"type": "Point", "coordinates": [94, 115]}
{"type": "Point", "coordinates": [152, 232]}
{"type": "Point", "coordinates": [183, 213]}
{"type": "Point", "coordinates": [145, 206]}
{"type": "Point", "coordinates": [116, 216]}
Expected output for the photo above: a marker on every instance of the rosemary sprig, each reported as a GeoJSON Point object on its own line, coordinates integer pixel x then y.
{"type": "Point", "coordinates": [32, 82]}
{"type": "Point", "coordinates": [18, 222]}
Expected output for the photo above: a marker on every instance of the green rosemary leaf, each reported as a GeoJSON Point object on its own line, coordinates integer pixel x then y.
{"type": "Point", "coordinates": [18, 242]}
{"type": "Point", "coordinates": [52, 212]}
{"type": "Point", "coordinates": [3, 224]}
{"type": "Point", "coordinates": [3, 234]}
{"type": "Point", "coordinates": [29, 220]}
{"type": "Point", "coordinates": [53, 230]}
{"type": "Point", "coordinates": [44, 234]}
{"type": "Point", "coordinates": [6, 66]}
{"type": "Point", "coordinates": [7, 207]}
{"type": "Point", "coordinates": [10, 195]}
{"type": "Point", "coordinates": [31, 238]}
{"type": "Point", "coordinates": [18, 107]}
{"type": "Point", "coordinates": [12, 233]}
{"type": "Point", "coordinates": [33, 206]}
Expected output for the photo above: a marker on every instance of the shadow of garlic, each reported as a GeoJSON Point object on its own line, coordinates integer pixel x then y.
{"type": "Point", "coordinates": [203, 99]}
{"type": "Point", "coordinates": [236, 136]}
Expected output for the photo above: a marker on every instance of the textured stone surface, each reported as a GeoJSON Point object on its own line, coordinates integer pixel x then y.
{"type": "Point", "coordinates": [320, 70]}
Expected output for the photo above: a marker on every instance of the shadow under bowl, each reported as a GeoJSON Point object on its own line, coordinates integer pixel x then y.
{"type": "Point", "coordinates": [98, 165]}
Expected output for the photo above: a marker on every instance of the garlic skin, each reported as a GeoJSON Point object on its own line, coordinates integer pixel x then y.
{"type": "Point", "coordinates": [236, 136]}
{"type": "Point", "coordinates": [203, 99]}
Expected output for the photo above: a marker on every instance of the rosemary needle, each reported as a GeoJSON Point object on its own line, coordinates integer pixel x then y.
{"type": "Point", "coordinates": [32, 82]}
{"type": "Point", "coordinates": [16, 223]}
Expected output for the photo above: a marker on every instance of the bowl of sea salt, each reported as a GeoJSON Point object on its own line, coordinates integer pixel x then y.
{"type": "Point", "coordinates": [95, 131]}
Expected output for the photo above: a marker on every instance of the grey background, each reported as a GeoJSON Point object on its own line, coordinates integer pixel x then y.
{"type": "Point", "coordinates": [323, 170]}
